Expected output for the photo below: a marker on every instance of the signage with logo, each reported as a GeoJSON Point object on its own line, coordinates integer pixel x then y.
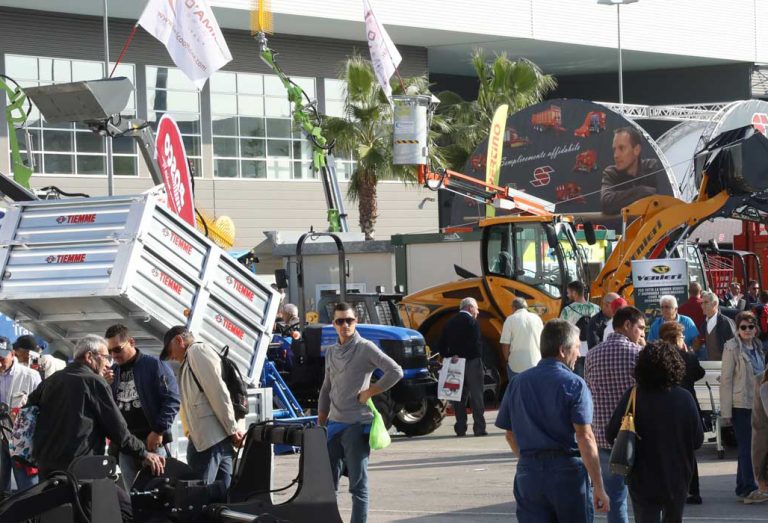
{"type": "Point", "coordinates": [172, 160]}
{"type": "Point", "coordinates": [653, 279]}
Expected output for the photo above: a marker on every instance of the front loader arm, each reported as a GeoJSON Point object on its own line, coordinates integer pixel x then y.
{"type": "Point", "coordinates": [658, 217]}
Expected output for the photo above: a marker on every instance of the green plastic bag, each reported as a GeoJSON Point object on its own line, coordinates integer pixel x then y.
{"type": "Point", "coordinates": [379, 436]}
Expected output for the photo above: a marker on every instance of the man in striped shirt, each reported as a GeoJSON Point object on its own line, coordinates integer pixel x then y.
{"type": "Point", "coordinates": [610, 368]}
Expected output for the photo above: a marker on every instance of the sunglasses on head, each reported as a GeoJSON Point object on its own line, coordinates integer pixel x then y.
{"type": "Point", "coordinates": [342, 321]}
{"type": "Point", "coordinates": [745, 327]}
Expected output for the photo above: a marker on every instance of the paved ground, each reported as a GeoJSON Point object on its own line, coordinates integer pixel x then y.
{"type": "Point", "coordinates": [444, 479]}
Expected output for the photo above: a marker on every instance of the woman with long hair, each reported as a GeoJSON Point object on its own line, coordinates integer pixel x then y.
{"type": "Point", "coordinates": [760, 438]}
{"type": "Point", "coordinates": [743, 364]}
{"type": "Point", "coordinates": [673, 333]}
{"type": "Point", "coordinates": [669, 430]}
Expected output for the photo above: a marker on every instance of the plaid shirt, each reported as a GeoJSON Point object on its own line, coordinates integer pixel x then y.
{"type": "Point", "coordinates": [610, 368]}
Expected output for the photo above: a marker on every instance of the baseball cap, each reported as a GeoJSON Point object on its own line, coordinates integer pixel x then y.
{"type": "Point", "coordinates": [617, 304]}
{"type": "Point", "coordinates": [25, 342]}
{"type": "Point", "coordinates": [169, 335]}
{"type": "Point", "coordinates": [5, 347]}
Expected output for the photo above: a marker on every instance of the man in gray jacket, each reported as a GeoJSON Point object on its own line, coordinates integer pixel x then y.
{"type": "Point", "coordinates": [341, 406]}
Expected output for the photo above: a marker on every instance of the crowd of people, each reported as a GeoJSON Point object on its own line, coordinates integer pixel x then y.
{"type": "Point", "coordinates": [562, 416]}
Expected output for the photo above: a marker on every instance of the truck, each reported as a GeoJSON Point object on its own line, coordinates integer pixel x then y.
{"type": "Point", "coordinates": [534, 253]}
{"type": "Point", "coordinates": [549, 118]}
{"type": "Point", "coordinates": [594, 123]}
{"type": "Point", "coordinates": [586, 161]}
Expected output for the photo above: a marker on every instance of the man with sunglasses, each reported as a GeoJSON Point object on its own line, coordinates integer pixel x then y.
{"type": "Point", "coordinates": [341, 407]}
{"type": "Point", "coordinates": [147, 394]}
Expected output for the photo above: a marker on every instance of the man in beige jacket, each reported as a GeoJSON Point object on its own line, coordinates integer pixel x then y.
{"type": "Point", "coordinates": [206, 409]}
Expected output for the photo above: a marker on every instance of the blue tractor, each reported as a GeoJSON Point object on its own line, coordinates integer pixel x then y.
{"type": "Point", "coordinates": [297, 353]}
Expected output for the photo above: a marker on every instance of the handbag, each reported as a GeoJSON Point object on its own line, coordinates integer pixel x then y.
{"type": "Point", "coordinates": [20, 444]}
{"type": "Point", "coordinates": [379, 436]}
{"type": "Point", "coordinates": [625, 446]}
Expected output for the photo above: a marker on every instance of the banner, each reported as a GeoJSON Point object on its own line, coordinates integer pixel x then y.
{"type": "Point", "coordinates": [384, 55]}
{"type": "Point", "coordinates": [653, 279]}
{"type": "Point", "coordinates": [172, 160]}
{"type": "Point", "coordinates": [495, 148]}
{"type": "Point", "coordinates": [191, 34]}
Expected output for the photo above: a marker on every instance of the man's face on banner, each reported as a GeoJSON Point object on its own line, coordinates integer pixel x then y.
{"type": "Point", "coordinates": [625, 155]}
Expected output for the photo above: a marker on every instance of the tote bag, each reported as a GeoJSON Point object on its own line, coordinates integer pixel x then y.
{"type": "Point", "coordinates": [625, 446]}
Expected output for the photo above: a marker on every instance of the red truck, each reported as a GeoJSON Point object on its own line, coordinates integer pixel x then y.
{"type": "Point", "coordinates": [569, 192]}
{"type": "Point", "coordinates": [586, 161]}
{"type": "Point", "coordinates": [594, 123]}
{"type": "Point", "coordinates": [477, 161]}
{"type": "Point", "coordinates": [550, 118]}
{"type": "Point", "coordinates": [513, 139]}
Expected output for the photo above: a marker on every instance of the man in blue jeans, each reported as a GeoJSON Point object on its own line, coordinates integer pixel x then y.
{"type": "Point", "coordinates": [341, 407]}
{"type": "Point", "coordinates": [146, 392]}
{"type": "Point", "coordinates": [610, 371]}
{"type": "Point", "coordinates": [206, 412]}
{"type": "Point", "coordinates": [547, 416]}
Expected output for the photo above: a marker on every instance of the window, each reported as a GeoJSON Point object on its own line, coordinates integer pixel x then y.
{"type": "Point", "coordinates": [169, 91]}
{"type": "Point", "coordinates": [335, 95]}
{"type": "Point", "coordinates": [521, 252]}
{"type": "Point", "coordinates": [252, 128]}
{"type": "Point", "coordinates": [67, 148]}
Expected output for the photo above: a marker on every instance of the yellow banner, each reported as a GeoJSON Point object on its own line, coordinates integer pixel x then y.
{"type": "Point", "coordinates": [495, 147]}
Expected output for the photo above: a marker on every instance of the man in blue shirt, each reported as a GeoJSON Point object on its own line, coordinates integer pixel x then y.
{"type": "Point", "coordinates": [547, 415]}
{"type": "Point", "coordinates": [669, 313]}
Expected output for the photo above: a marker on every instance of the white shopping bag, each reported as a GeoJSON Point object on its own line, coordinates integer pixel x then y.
{"type": "Point", "coordinates": [451, 379]}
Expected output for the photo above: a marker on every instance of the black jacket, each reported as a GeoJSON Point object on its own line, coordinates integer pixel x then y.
{"type": "Point", "coordinates": [158, 392]}
{"type": "Point", "coordinates": [77, 413]}
{"type": "Point", "coordinates": [461, 337]}
{"type": "Point", "coordinates": [669, 427]}
{"type": "Point", "coordinates": [619, 189]}
{"type": "Point", "coordinates": [693, 373]}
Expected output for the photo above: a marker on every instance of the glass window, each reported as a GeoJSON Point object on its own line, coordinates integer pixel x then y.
{"type": "Point", "coordinates": [65, 148]}
{"type": "Point", "coordinates": [253, 135]}
{"type": "Point", "coordinates": [169, 91]}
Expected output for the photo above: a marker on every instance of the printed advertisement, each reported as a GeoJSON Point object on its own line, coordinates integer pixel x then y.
{"type": "Point", "coordinates": [653, 279]}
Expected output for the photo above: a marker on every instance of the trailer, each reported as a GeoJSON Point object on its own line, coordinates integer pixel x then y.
{"type": "Point", "coordinates": [550, 118]}
{"type": "Point", "coordinates": [594, 123]}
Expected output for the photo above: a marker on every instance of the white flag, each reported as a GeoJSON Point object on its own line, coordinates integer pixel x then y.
{"type": "Point", "coordinates": [384, 55]}
{"type": "Point", "coordinates": [191, 34]}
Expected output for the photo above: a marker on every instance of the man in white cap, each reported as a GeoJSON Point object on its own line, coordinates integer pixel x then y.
{"type": "Point", "coordinates": [16, 383]}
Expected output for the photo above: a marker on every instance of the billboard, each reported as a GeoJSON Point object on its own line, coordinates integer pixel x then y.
{"type": "Point", "coordinates": [577, 154]}
{"type": "Point", "coordinates": [653, 279]}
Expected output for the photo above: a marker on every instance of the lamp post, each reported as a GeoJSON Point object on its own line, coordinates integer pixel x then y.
{"type": "Point", "coordinates": [618, 4]}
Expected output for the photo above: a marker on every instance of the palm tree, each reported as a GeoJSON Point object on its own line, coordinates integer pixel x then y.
{"type": "Point", "coordinates": [365, 133]}
{"type": "Point", "coordinates": [518, 83]}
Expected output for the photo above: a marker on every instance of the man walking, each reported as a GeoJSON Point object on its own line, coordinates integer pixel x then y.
{"type": "Point", "coordinates": [77, 413]}
{"type": "Point", "coordinates": [206, 408]}
{"type": "Point", "coordinates": [146, 392]}
{"type": "Point", "coordinates": [17, 382]}
{"type": "Point", "coordinates": [547, 416]}
{"type": "Point", "coordinates": [520, 339]}
{"type": "Point", "coordinates": [342, 408]}
{"type": "Point", "coordinates": [598, 322]}
{"type": "Point", "coordinates": [461, 339]}
{"type": "Point", "coordinates": [718, 328]}
{"type": "Point", "coordinates": [578, 312]}
{"type": "Point", "coordinates": [610, 368]}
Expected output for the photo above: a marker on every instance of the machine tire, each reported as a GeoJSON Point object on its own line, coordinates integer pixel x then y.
{"type": "Point", "coordinates": [420, 421]}
{"type": "Point", "coordinates": [386, 407]}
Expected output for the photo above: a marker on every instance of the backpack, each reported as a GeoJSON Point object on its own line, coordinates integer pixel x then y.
{"type": "Point", "coordinates": [582, 323]}
{"type": "Point", "coordinates": [230, 374]}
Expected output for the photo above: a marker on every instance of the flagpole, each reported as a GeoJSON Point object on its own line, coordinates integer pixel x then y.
{"type": "Point", "coordinates": [107, 139]}
{"type": "Point", "coordinates": [402, 85]}
{"type": "Point", "coordinates": [125, 48]}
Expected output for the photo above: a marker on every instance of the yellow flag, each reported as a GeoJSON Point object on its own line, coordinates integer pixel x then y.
{"type": "Point", "coordinates": [495, 147]}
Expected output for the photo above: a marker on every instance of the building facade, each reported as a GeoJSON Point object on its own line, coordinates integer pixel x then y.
{"type": "Point", "coordinates": [253, 167]}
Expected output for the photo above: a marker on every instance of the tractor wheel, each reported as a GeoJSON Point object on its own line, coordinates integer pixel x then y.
{"type": "Point", "coordinates": [419, 419]}
{"type": "Point", "coordinates": [386, 407]}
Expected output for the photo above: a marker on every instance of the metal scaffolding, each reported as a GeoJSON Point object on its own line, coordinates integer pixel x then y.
{"type": "Point", "coordinates": [672, 113]}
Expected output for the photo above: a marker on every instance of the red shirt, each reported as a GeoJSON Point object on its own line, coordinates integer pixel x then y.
{"type": "Point", "coordinates": [692, 309]}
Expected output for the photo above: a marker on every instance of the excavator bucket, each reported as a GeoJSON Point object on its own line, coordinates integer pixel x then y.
{"type": "Point", "coordinates": [736, 161]}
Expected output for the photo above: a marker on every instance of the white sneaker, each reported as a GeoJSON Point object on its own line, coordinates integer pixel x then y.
{"type": "Point", "coordinates": [756, 496]}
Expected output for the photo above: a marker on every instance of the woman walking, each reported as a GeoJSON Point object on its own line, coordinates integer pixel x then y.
{"type": "Point", "coordinates": [743, 362]}
{"type": "Point", "coordinates": [760, 440]}
{"type": "Point", "coordinates": [673, 333]}
{"type": "Point", "coordinates": [669, 431]}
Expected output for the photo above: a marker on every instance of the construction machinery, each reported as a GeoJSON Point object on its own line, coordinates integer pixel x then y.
{"type": "Point", "coordinates": [534, 254]}
{"type": "Point", "coordinates": [594, 123]}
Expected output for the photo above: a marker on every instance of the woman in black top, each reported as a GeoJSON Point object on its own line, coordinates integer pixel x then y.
{"type": "Point", "coordinates": [673, 333]}
{"type": "Point", "coordinates": [669, 429]}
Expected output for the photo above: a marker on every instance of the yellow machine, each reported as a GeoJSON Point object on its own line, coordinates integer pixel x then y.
{"type": "Point", "coordinates": [534, 254]}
